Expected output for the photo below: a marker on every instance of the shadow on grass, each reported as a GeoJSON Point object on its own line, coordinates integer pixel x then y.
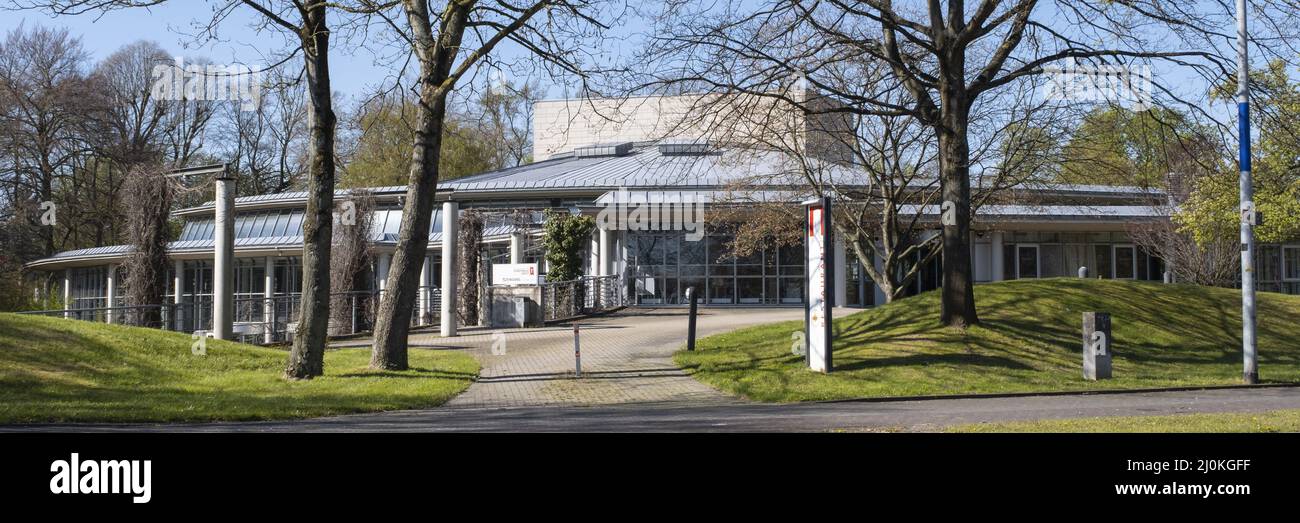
{"type": "Point", "coordinates": [1030, 334]}
{"type": "Point", "coordinates": [413, 372]}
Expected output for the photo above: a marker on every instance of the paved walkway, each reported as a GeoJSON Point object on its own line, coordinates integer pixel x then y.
{"type": "Point", "coordinates": [626, 358]}
{"type": "Point", "coordinates": [916, 415]}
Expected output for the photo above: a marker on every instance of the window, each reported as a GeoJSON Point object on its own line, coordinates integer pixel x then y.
{"type": "Point", "coordinates": [1269, 263]}
{"type": "Point", "coordinates": [1291, 263]}
{"type": "Point", "coordinates": [1026, 261]}
{"type": "Point", "coordinates": [1052, 261]}
{"type": "Point", "coordinates": [721, 290]}
{"type": "Point", "coordinates": [1125, 262]}
{"type": "Point", "coordinates": [749, 290]}
{"type": "Point", "coordinates": [664, 264]}
{"type": "Point", "coordinates": [1103, 257]}
{"type": "Point", "coordinates": [1009, 261]}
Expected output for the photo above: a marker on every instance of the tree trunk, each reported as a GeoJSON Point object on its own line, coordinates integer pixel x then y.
{"type": "Point", "coordinates": [147, 206]}
{"type": "Point", "coordinates": [471, 235]}
{"type": "Point", "coordinates": [958, 298]}
{"type": "Point", "coordinates": [307, 357]}
{"type": "Point", "coordinates": [47, 195]}
{"type": "Point", "coordinates": [393, 322]}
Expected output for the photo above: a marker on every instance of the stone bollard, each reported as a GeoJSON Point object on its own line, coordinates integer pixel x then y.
{"type": "Point", "coordinates": [1096, 346]}
{"type": "Point", "coordinates": [1083, 272]}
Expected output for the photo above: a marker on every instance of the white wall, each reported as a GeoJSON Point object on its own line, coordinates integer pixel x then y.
{"type": "Point", "coordinates": [559, 126]}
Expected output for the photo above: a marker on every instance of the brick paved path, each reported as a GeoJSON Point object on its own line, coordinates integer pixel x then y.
{"type": "Point", "coordinates": [626, 358]}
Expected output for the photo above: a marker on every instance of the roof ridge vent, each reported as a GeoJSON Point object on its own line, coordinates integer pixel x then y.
{"type": "Point", "coordinates": [685, 147]}
{"type": "Point", "coordinates": [603, 149]}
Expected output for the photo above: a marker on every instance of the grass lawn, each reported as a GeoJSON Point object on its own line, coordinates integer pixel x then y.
{"type": "Point", "coordinates": [52, 369]}
{"type": "Point", "coordinates": [1272, 421]}
{"type": "Point", "coordinates": [1030, 340]}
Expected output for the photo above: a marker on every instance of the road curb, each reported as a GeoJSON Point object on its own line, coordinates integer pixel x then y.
{"type": "Point", "coordinates": [894, 399]}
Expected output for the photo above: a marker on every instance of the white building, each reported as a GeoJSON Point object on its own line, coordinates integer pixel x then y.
{"type": "Point", "coordinates": [596, 163]}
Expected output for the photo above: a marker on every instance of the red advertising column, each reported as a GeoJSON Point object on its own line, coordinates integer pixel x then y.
{"type": "Point", "coordinates": [819, 268]}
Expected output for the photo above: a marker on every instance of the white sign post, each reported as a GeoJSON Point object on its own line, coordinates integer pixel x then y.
{"type": "Point", "coordinates": [515, 274]}
{"type": "Point", "coordinates": [820, 275]}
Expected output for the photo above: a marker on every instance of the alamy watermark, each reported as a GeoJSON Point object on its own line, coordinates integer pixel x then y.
{"type": "Point", "coordinates": [346, 214]}
{"type": "Point", "coordinates": [1101, 83]}
{"type": "Point", "coordinates": [212, 82]}
{"type": "Point", "coordinates": [199, 347]}
{"type": "Point", "coordinates": [103, 476]}
{"type": "Point", "coordinates": [498, 343]}
{"type": "Point", "coordinates": [659, 211]}
{"type": "Point", "coordinates": [49, 213]}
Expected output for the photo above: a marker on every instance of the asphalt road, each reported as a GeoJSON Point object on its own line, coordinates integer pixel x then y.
{"type": "Point", "coordinates": [916, 415]}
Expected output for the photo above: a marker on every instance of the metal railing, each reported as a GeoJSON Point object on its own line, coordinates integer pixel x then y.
{"type": "Point", "coordinates": [583, 296]}
{"type": "Point", "coordinates": [259, 320]}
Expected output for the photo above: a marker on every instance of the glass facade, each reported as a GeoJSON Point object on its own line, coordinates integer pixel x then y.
{"type": "Point", "coordinates": [662, 265]}
{"type": "Point", "coordinates": [88, 287]}
{"type": "Point", "coordinates": [1054, 255]}
{"type": "Point", "coordinates": [1278, 268]}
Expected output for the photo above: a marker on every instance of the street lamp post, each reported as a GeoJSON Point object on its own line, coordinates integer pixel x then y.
{"type": "Point", "coordinates": [1250, 370]}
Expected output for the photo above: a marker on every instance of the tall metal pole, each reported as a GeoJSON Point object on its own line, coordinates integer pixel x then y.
{"type": "Point", "coordinates": [1250, 371]}
{"type": "Point", "coordinates": [223, 260]}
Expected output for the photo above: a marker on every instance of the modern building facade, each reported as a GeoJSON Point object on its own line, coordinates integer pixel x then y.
{"type": "Point", "coordinates": [1048, 231]}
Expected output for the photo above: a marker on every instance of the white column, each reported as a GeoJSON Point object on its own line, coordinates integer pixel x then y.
{"type": "Point", "coordinates": [605, 248]}
{"type": "Point", "coordinates": [223, 261]}
{"type": "Point", "coordinates": [424, 290]}
{"type": "Point", "coordinates": [517, 247]}
{"type": "Point", "coordinates": [995, 255]}
{"type": "Point", "coordinates": [593, 249]}
{"type": "Point", "coordinates": [67, 292]}
{"type": "Point", "coordinates": [111, 292]}
{"type": "Point", "coordinates": [450, 217]}
{"type": "Point", "coordinates": [178, 281]}
{"type": "Point", "coordinates": [381, 272]}
{"type": "Point", "coordinates": [841, 274]}
{"type": "Point", "coordinates": [268, 306]}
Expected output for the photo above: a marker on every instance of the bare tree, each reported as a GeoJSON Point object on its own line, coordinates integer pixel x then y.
{"type": "Point", "coordinates": [133, 122]}
{"type": "Point", "coordinates": [879, 170]}
{"type": "Point", "coordinates": [351, 256]}
{"type": "Point", "coordinates": [266, 144]}
{"type": "Point", "coordinates": [306, 26]}
{"type": "Point", "coordinates": [507, 111]}
{"type": "Point", "coordinates": [47, 98]}
{"type": "Point", "coordinates": [448, 43]}
{"type": "Point", "coordinates": [307, 357]}
{"type": "Point", "coordinates": [146, 206]}
{"type": "Point", "coordinates": [948, 56]}
{"type": "Point", "coordinates": [1216, 263]}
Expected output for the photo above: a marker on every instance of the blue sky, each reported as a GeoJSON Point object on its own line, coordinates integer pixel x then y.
{"type": "Point", "coordinates": [358, 65]}
{"type": "Point", "coordinates": [169, 24]}
{"type": "Point", "coordinates": [355, 71]}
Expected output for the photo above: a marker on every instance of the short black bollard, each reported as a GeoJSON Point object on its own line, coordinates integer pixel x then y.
{"type": "Point", "coordinates": [690, 323]}
{"type": "Point", "coordinates": [1096, 346]}
{"type": "Point", "coordinates": [577, 352]}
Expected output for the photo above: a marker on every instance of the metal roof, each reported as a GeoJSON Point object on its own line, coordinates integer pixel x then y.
{"type": "Point", "coordinates": [1054, 212]}
{"type": "Point", "coordinates": [261, 242]}
{"type": "Point", "coordinates": [766, 175]}
{"type": "Point", "coordinates": [646, 167]}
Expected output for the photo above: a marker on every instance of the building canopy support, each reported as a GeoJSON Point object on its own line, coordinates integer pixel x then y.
{"type": "Point", "coordinates": [450, 261]}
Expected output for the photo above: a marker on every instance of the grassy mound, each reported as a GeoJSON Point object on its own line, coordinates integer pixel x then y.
{"type": "Point", "coordinates": [1030, 340]}
{"type": "Point", "coordinates": [52, 369]}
